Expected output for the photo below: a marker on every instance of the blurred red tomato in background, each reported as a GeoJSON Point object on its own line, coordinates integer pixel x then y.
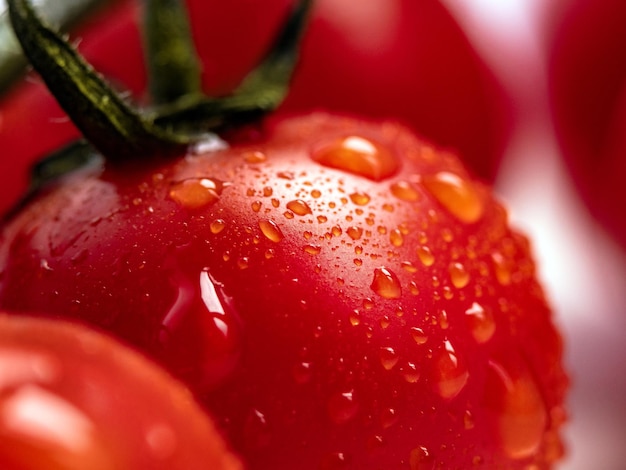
{"type": "Point", "coordinates": [587, 73]}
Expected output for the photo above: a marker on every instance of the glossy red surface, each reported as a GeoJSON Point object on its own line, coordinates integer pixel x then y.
{"type": "Point", "coordinates": [338, 290]}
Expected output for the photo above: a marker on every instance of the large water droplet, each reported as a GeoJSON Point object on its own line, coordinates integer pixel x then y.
{"type": "Point", "coordinates": [519, 412]}
{"type": "Point", "coordinates": [450, 373]}
{"type": "Point", "coordinates": [195, 193]}
{"type": "Point", "coordinates": [388, 358]}
{"type": "Point", "coordinates": [299, 207]}
{"type": "Point", "coordinates": [271, 230]}
{"type": "Point", "coordinates": [203, 329]}
{"type": "Point", "coordinates": [502, 267]}
{"type": "Point", "coordinates": [481, 322]}
{"type": "Point", "coordinates": [458, 275]}
{"type": "Point", "coordinates": [217, 226]}
{"type": "Point", "coordinates": [418, 335]}
{"type": "Point", "coordinates": [425, 255]}
{"type": "Point", "coordinates": [386, 284]}
{"type": "Point", "coordinates": [457, 195]}
{"type": "Point", "coordinates": [360, 198]}
{"type": "Point", "coordinates": [355, 232]}
{"type": "Point", "coordinates": [359, 156]}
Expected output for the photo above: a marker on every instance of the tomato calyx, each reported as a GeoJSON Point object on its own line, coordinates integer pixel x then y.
{"type": "Point", "coordinates": [181, 114]}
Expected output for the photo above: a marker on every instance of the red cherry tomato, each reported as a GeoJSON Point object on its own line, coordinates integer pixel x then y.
{"type": "Point", "coordinates": [71, 398]}
{"type": "Point", "coordinates": [340, 292]}
{"type": "Point", "coordinates": [588, 87]}
{"type": "Point", "coordinates": [394, 58]}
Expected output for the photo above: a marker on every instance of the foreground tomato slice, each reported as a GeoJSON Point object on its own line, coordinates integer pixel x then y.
{"type": "Point", "coordinates": [338, 291]}
{"type": "Point", "coordinates": [73, 399]}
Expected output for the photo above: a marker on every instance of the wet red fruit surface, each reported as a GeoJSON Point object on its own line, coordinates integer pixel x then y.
{"type": "Point", "coordinates": [72, 399]}
{"type": "Point", "coordinates": [340, 293]}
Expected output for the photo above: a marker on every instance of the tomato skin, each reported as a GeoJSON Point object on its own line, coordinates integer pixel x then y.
{"type": "Point", "coordinates": [72, 398]}
{"type": "Point", "coordinates": [425, 73]}
{"type": "Point", "coordinates": [588, 92]}
{"type": "Point", "coordinates": [379, 315]}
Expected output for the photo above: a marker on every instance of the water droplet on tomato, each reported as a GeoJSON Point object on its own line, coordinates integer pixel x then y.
{"type": "Point", "coordinates": [312, 249]}
{"type": "Point", "coordinates": [502, 267]}
{"type": "Point", "coordinates": [396, 238]}
{"type": "Point", "coordinates": [420, 459]}
{"type": "Point", "coordinates": [388, 418]}
{"type": "Point", "coordinates": [457, 195]}
{"type": "Point", "coordinates": [425, 255]}
{"type": "Point", "coordinates": [481, 322]}
{"type": "Point", "coordinates": [405, 191]}
{"type": "Point", "coordinates": [302, 372]}
{"type": "Point", "coordinates": [243, 262]}
{"type": "Point", "coordinates": [217, 226]}
{"type": "Point", "coordinates": [355, 318]}
{"type": "Point", "coordinates": [254, 157]}
{"type": "Point", "coordinates": [450, 373]}
{"type": "Point", "coordinates": [271, 230]}
{"type": "Point", "coordinates": [359, 156]}
{"type": "Point", "coordinates": [256, 431]}
{"type": "Point", "coordinates": [519, 413]}
{"type": "Point", "coordinates": [334, 461]}
{"type": "Point", "coordinates": [418, 335]}
{"type": "Point", "coordinates": [256, 206]}
{"type": "Point", "coordinates": [410, 373]}
{"type": "Point", "coordinates": [299, 207]}
{"type": "Point", "coordinates": [201, 337]}
{"type": "Point", "coordinates": [342, 407]}
{"type": "Point", "coordinates": [355, 232]}
{"type": "Point", "coordinates": [195, 193]}
{"type": "Point", "coordinates": [388, 358]}
{"type": "Point", "coordinates": [386, 284]}
{"type": "Point", "coordinates": [360, 198]}
{"type": "Point", "coordinates": [458, 275]}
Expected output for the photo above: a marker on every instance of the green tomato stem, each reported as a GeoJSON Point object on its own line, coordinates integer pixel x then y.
{"type": "Point", "coordinates": [183, 115]}
{"type": "Point", "coordinates": [173, 66]}
{"type": "Point", "coordinates": [104, 118]}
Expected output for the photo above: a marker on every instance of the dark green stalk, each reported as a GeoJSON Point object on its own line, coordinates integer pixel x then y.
{"type": "Point", "coordinates": [173, 66]}
{"type": "Point", "coordinates": [262, 91]}
{"type": "Point", "coordinates": [104, 118]}
{"type": "Point", "coordinates": [183, 114]}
